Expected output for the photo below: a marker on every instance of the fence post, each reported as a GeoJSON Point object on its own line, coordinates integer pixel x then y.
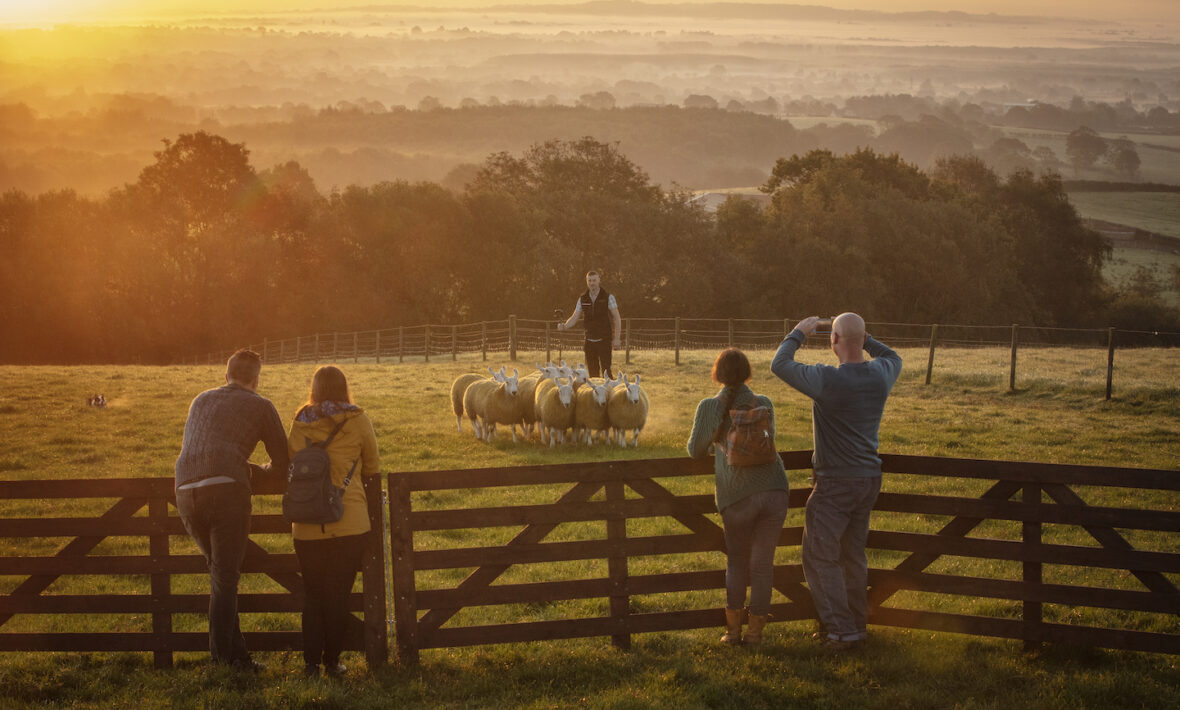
{"type": "Point", "coordinates": [930, 361]}
{"type": "Point", "coordinates": [627, 343]}
{"type": "Point", "coordinates": [401, 342]}
{"type": "Point", "coordinates": [335, 346]}
{"type": "Point", "coordinates": [616, 536]}
{"type": "Point", "coordinates": [483, 339]}
{"type": "Point", "coordinates": [315, 357]}
{"type": "Point", "coordinates": [426, 347]}
{"type": "Point", "coordinates": [454, 343]}
{"type": "Point", "coordinates": [298, 349]}
{"type": "Point", "coordinates": [729, 339]}
{"type": "Point", "coordinates": [786, 328]}
{"type": "Point", "coordinates": [401, 552]}
{"type": "Point", "coordinates": [373, 577]}
{"type": "Point", "coordinates": [1109, 360]}
{"type": "Point", "coordinates": [265, 343]}
{"type": "Point", "coordinates": [676, 338]}
{"type": "Point", "coordinates": [548, 345]}
{"type": "Point", "coordinates": [512, 338]}
{"type": "Point", "coordinates": [1031, 536]}
{"type": "Point", "coordinates": [356, 355]}
{"type": "Point", "coordinates": [377, 345]}
{"type": "Point", "coordinates": [161, 583]}
{"type": "Point", "coordinates": [1012, 371]}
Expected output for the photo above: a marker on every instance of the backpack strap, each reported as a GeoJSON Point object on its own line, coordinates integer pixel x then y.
{"type": "Point", "coordinates": [348, 478]}
{"type": "Point", "coordinates": [334, 433]}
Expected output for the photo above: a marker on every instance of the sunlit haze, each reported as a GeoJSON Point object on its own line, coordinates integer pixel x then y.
{"type": "Point", "coordinates": [49, 11]}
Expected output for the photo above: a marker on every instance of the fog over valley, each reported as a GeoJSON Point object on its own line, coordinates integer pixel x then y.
{"type": "Point", "coordinates": [344, 91]}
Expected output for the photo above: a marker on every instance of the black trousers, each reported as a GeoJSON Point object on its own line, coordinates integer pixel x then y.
{"type": "Point", "coordinates": [598, 357]}
{"type": "Point", "coordinates": [329, 568]}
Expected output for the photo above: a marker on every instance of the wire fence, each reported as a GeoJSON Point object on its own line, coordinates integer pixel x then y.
{"type": "Point", "coordinates": [430, 342]}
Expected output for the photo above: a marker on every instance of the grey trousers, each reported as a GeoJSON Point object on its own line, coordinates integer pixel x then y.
{"type": "Point", "coordinates": [218, 519]}
{"type": "Point", "coordinates": [836, 528]}
{"type": "Point", "coordinates": [752, 526]}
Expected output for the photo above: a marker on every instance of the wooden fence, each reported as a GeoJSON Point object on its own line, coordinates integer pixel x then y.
{"type": "Point", "coordinates": [86, 552]}
{"type": "Point", "coordinates": [619, 494]}
{"type": "Point", "coordinates": [678, 564]}
{"type": "Point", "coordinates": [515, 335]}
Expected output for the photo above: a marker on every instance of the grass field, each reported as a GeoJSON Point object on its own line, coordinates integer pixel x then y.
{"type": "Point", "coordinates": [1057, 414]}
{"type": "Point", "coordinates": [1158, 165]}
{"type": "Point", "coordinates": [1157, 212]}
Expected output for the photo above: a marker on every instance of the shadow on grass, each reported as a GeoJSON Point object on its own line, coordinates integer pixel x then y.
{"type": "Point", "coordinates": [896, 669]}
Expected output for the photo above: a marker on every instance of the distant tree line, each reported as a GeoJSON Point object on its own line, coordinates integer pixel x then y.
{"type": "Point", "coordinates": [202, 251]}
{"type": "Point", "coordinates": [704, 145]}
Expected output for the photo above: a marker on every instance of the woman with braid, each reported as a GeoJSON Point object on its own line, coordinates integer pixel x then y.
{"type": "Point", "coordinates": [752, 499]}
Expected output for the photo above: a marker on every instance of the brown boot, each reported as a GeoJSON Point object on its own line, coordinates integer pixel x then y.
{"type": "Point", "coordinates": [754, 632]}
{"type": "Point", "coordinates": [733, 626]}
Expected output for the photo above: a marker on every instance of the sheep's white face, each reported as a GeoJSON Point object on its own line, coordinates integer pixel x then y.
{"type": "Point", "coordinates": [633, 391]}
{"type": "Point", "coordinates": [511, 384]}
{"type": "Point", "coordinates": [565, 394]}
{"type": "Point", "coordinates": [599, 394]}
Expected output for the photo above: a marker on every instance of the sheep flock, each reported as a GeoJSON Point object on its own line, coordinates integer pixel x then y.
{"type": "Point", "coordinates": [559, 403]}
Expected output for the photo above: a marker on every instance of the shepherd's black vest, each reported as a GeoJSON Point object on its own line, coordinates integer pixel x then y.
{"type": "Point", "coordinates": [596, 315]}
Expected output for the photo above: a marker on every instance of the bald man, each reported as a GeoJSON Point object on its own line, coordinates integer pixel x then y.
{"type": "Point", "coordinates": [847, 404]}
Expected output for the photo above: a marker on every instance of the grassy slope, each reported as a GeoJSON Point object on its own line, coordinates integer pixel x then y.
{"type": "Point", "coordinates": [1057, 415]}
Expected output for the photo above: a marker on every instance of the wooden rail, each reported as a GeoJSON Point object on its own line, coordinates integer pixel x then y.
{"type": "Point", "coordinates": [598, 492]}
{"type": "Point", "coordinates": [644, 535]}
{"type": "Point", "coordinates": [123, 524]}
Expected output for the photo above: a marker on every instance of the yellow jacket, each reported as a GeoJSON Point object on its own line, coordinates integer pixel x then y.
{"type": "Point", "coordinates": [356, 441]}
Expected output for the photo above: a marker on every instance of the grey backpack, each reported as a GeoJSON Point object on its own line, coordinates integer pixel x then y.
{"type": "Point", "coordinates": [310, 495]}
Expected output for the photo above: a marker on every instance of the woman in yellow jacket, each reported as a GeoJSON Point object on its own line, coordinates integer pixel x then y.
{"type": "Point", "coordinates": [330, 553]}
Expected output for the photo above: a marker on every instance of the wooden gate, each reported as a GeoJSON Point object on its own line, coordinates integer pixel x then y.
{"type": "Point", "coordinates": [110, 545]}
{"type": "Point", "coordinates": [915, 531]}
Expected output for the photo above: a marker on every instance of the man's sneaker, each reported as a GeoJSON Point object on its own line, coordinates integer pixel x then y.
{"type": "Point", "coordinates": [831, 646]}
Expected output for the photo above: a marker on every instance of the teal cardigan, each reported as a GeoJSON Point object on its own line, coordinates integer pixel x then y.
{"type": "Point", "coordinates": [733, 484]}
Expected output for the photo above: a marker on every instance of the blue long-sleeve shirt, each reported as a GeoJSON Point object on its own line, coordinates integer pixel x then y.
{"type": "Point", "coordinates": [847, 404]}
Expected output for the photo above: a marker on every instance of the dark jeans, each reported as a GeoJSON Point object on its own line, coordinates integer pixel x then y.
{"type": "Point", "coordinates": [329, 569]}
{"type": "Point", "coordinates": [217, 517]}
{"type": "Point", "coordinates": [836, 528]}
{"type": "Point", "coordinates": [598, 358]}
{"type": "Point", "coordinates": [752, 526]}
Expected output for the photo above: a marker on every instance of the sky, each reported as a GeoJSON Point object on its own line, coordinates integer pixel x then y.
{"type": "Point", "coordinates": [40, 11]}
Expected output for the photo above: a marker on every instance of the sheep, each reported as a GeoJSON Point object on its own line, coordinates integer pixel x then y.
{"type": "Point", "coordinates": [590, 412]}
{"type": "Point", "coordinates": [458, 388]}
{"type": "Point", "coordinates": [475, 399]}
{"type": "Point", "coordinates": [526, 410]}
{"type": "Point", "coordinates": [501, 404]}
{"type": "Point", "coordinates": [555, 409]}
{"type": "Point", "coordinates": [548, 381]}
{"type": "Point", "coordinates": [627, 408]}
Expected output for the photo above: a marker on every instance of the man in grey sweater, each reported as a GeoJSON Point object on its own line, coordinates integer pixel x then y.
{"type": "Point", "coordinates": [213, 489]}
{"type": "Point", "coordinates": [847, 404]}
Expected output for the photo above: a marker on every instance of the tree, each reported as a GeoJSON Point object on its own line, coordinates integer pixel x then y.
{"type": "Point", "coordinates": [600, 100]}
{"type": "Point", "coordinates": [1083, 147]}
{"type": "Point", "coordinates": [700, 101]}
{"type": "Point", "coordinates": [1123, 157]}
{"type": "Point", "coordinates": [569, 206]}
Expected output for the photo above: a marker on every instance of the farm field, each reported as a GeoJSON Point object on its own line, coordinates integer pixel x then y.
{"type": "Point", "coordinates": [1158, 164]}
{"type": "Point", "coordinates": [1057, 414]}
{"type": "Point", "coordinates": [1157, 212]}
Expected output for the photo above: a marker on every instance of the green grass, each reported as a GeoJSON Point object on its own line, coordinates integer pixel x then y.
{"type": "Point", "coordinates": [1125, 264]}
{"type": "Point", "coordinates": [1057, 414]}
{"type": "Point", "coordinates": [1157, 212]}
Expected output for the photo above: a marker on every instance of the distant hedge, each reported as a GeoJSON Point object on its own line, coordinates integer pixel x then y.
{"type": "Point", "coordinates": [1105, 186]}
